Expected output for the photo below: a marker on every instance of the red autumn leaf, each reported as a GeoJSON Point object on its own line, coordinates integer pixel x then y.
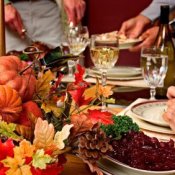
{"type": "Point", "coordinates": [6, 149]}
{"type": "Point", "coordinates": [79, 98]}
{"type": "Point", "coordinates": [99, 116]}
{"type": "Point", "coordinates": [79, 74]}
{"type": "Point", "coordinates": [3, 169]}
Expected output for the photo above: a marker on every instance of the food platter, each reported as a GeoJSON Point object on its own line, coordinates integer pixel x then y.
{"type": "Point", "coordinates": [124, 42]}
{"type": "Point", "coordinates": [118, 73]}
{"type": "Point", "coordinates": [119, 168]}
{"type": "Point", "coordinates": [151, 111]}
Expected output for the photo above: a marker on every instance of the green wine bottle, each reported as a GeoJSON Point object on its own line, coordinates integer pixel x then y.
{"type": "Point", "coordinates": [164, 39]}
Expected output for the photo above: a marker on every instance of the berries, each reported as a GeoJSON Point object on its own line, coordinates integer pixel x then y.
{"type": "Point", "coordinates": [141, 151]}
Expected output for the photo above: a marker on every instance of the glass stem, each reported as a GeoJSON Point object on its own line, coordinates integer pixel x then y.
{"type": "Point", "coordinates": [152, 93]}
{"type": "Point", "coordinates": [103, 82]}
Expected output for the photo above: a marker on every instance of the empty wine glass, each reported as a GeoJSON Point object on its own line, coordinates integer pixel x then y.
{"type": "Point", "coordinates": [154, 64]}
{"type": "Point", "coordinates": [104, 55]}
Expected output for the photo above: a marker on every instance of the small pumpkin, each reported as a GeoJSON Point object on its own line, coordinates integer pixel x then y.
{"type": "Point", "coordinates": [10, 104]}
{"type": "Point", "coordinates": [12, 74]}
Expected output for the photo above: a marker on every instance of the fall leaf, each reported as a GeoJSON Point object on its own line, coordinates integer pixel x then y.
{"type": "Point", "coordinates": [25, 131]}
{"type": "Point", "coordinates": [43, 84]}
{"type": "Point", "coordinates": [7, 129]}
{"type": "Point", "coordinates": [25, 149]}
{"type": "Point", "coordinates": [40, 159]}
{"type": "Point", "coordinates": [105, 91]}
{"type": "Point", "coordinates": [62, 135]}
{"type": "Point", "coordinates": [16, 166]}
{"type": "Point", "coordinates": [44, 134]}
{"type": "Point", "coordinates": [99, 116]}
{"type": "Point", "coordinates": [50, 106]}
{"type": "Point", "coordinates": [6, 149]}
{"type": "Point", "coordinates": [81, 123]}
{"type": "Point", "coordinates": [91, 92]}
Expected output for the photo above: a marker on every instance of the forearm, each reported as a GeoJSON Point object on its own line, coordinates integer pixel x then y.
{"type": "Point", "coordinates": [153, 10]}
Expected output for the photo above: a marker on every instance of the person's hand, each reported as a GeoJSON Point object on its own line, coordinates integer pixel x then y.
{"type": "Point", "coordinates": [133, 27]}
{"type": "Point", "coordinates": [169, 115]}
{"type": "Point", "coordinates": [148, 38]}
{"type": "Point", "coordinates": [171, 92]}
{"type": "Point", "coordinates": [13, 19]}
{"type": "Point", "coordinates": [75, 10]}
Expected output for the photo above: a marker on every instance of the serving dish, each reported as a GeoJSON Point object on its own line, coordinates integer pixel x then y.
{"type": "Point", "coordinates": [119, 168]}
{"type": "Point", "coordinates": [151, 111]}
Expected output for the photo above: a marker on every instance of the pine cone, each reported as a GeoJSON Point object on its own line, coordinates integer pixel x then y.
{"type": "Point", "coordinates": [93, 144]}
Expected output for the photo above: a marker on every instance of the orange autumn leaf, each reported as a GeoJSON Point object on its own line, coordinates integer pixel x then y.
{"type": "Point", "coordinates": [105, 91]}
{"type": "Point", "coordinates": [81, 123]}
{"type": "Point", "coordinates": [25, 149]}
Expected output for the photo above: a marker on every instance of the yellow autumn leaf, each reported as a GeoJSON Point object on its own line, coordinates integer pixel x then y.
{"type": "Point", "coordinates": [23, 170]}
{"type": "Point", "coordinates": [43, 84]}
{"type": "Point", "coordinates": [91, 92]}
{"type": "Point", "coordinates": [44, 134]}
{"type": "Point", "coordinates": [50, 106]}
{"type": "Point", "coordinates": [62, 135]}
{"type": "Point", "coordinates": [16, 166]}
{"type": "Point", "coordinates": [25, 149]}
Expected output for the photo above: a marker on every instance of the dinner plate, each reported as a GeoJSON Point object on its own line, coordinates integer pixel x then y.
{"type": "Point", "coordinates": [118, 73]}
{"type": "Point", "coordinates": [148, 126]}
{"type": "Point", "coordinates": [116, 166]}
{"type": "Point", "coordinates": [151, 111]}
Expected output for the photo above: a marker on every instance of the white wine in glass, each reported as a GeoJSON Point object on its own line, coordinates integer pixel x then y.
{"type": "Point", "coordinates": [154, 64]}
{"type": "Point", "coordinates": [104, 55]}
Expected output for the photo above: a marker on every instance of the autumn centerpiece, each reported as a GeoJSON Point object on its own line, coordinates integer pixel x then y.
{"type": "Point", "coordinates": [42, 119]}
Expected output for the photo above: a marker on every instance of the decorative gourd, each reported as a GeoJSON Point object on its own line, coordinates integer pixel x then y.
{"type": "Point", "coordinates": [12, 74]}
{"type": "Point", "coordinates": [10, 104]}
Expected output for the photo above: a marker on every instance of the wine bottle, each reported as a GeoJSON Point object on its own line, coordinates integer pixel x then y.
{"type": "Point", "coordinates": [164, 39]}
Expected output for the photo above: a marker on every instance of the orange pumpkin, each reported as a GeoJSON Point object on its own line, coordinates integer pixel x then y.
{"type": "Point", "coordinates": [11, 71]}
{"type": "Point", "coordinates": [10, 104]}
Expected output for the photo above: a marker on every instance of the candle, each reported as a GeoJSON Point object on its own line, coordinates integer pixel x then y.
{"type": "Point", "coordinates": [2, 29]}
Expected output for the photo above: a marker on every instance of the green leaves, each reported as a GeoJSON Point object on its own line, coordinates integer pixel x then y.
{"type": "Point", "coordinates": [122, 124]}
{"type": "Point", "coordinates": [40, 159]}
{"type": "Point", "coordinates": [8, 130]}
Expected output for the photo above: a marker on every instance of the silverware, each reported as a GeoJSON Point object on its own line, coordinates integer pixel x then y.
{"type": "Point", "coordinates": [27, 36]}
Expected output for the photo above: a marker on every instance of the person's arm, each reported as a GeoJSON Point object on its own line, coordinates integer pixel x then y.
{"type": "Point", "coordinates": [153, 10]}
{"type": "Point", "coordinates": [13, 19]}
{"type": "Point", "coordinates": [74, 9]}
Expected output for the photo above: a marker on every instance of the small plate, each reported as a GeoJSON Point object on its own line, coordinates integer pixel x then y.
{"type": "Point", "coordinates": [116, 165]}
{"type": "Point", "coordinates": [151, 111]}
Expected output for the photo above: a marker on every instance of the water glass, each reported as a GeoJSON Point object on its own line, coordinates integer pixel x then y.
{"type": "Point", "coordinates": [154, 64]}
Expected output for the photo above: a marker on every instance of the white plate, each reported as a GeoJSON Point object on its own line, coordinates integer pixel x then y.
{"type": "Point", "coordinates": [148, 126]}
{"type": "Point", "coordinates": [116, 166]}
{"type": "Point", "coordinates": [120, 71]}
{"type": "Point", "coordinates": [151, 111]}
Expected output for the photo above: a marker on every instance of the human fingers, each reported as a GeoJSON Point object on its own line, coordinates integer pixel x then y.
{"type": "Point", "coordinates": [171, 92]}
{"type": "Point", "coordinates": [80, 9]}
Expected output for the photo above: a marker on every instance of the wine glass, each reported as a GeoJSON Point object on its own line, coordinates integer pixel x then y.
{"type": "Point", "coordinates": [154, 64]}
{"type": "Point", "coordinates": [78, 40]}
{"type": "Point", "coordinates": [104, 55]}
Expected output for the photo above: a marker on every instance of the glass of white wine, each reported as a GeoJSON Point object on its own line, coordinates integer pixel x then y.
{"type": "Point", "coordinates": [104, 55]}
{"type": "Point", "coordinates": [154, 64]}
